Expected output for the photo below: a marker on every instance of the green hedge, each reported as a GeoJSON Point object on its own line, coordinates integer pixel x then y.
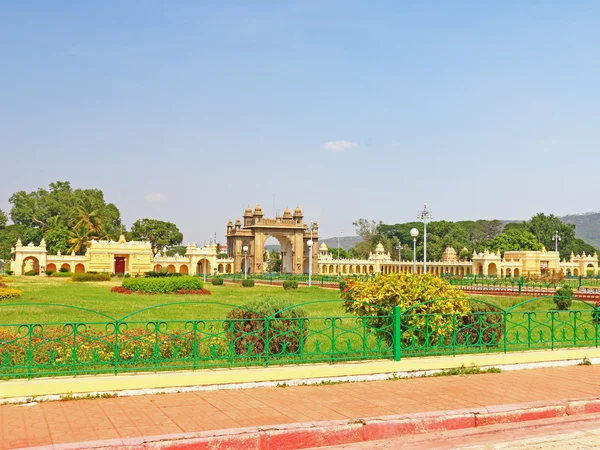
{"type": "Point", "coordinates": [248, 283]}
{"type": "Point", "coordinates": [217, 281]}
{"type": "Point", "coordinates": [290, 284]}
{"type": "Point", "coordinates": [162, 285]}
{"type": "Point", "coordinates": [91, 276]}
{"type": "Point", "coordinates": [62, 274]}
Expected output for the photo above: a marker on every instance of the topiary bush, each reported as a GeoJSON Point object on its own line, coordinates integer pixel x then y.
{"type": "Point", "coordinates": [30, 273]}
{"type": "Point", "coordinates": [89, 276]}
{"type": "Point", "coordinates": [164, 285]}
{"type": "Point", "coordinates": [9, 293]}
{"type": "Point", "coordinates": [49, 273]}
{"type": "Point", "coordinates": [9, 272]}
{"type": "Point", "coordinates": [563, 298]}
{"type": "Point", "coordinates": [248, 283]}
{"type": "Point", "coordinates": [246, 328]}
{"type": "Point", "coordinates": [63, 270]}
{"type": "Point", "coordinates": [429, 295]}
{"type": "Point", "coordinates": [483, 325]}
{"type": "Point", "coordinates": [290, 284]}
{"type": "Point", "coordinates": [217, 281]}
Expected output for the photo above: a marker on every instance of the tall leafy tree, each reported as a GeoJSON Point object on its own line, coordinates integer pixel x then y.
{"type": "Point", "coordinates": [3, 219]}
{"type": "Point", "coordinates": [159, 233]}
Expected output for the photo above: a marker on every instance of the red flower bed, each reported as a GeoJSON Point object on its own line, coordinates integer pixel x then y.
{"type": "Point", "coordinates": [120, 290]}
{"type": "Point", "coordinates": [193, 292]}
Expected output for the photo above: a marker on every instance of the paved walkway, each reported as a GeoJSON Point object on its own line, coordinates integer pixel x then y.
{"type": "Point", "coordinates": [86, 420]}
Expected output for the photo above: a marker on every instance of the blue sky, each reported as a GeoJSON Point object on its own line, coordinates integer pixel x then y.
{"type": "Point", "coordinates": [188, 111]}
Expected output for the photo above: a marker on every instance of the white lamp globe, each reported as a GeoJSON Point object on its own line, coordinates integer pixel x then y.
{"type": "Point", "coordinates": [414, 232]}
{"type": "Point", "coordinates": [245, 248]}
{"type": "Point", "coordinates": [309, 243]}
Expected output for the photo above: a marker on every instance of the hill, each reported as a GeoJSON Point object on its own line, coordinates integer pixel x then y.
{"type": "Point", "coordinates": [587, 226]}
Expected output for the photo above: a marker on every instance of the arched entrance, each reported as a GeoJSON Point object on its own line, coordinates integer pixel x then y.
{"type": "Point", "coordinates": [278, 256]}
{"type": "Point", "coordinates": [51, 267]}
{"type": "Point", "coordinates": [203, 265]}
{"type": "Point", "coordinates": [493, 269]}
{"type": "Point", "coordinates": [289, 230]}
{"type": "Point", "coordinates": [31, 263]}
{"type": "Point", "coordinates": [479, 269]}
{"type": "Point", "coordinates": [184, 269]}
{"type": "Point", "coordinates": [79, 268]}
{"type": "Point", "coordinates": [66, 266]}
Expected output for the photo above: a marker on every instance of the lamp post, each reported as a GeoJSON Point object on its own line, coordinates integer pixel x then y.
{"type": "Point", "coordinates": [338, 272]}
{"type": "Point", "coordinates": [245, 249]}
{"type": "Point", "coordinates": [138, 259]}
{"type": "Point", "coordinates": [414, 233]}
{"type": "Point", "coordinates": [556, 238]}
{"type": "Point", "coordinates": [425, 216]}
{"type": "Point", "coordinates": [399, 247]}
{"type": "Point", "coordinates": [310, 244]}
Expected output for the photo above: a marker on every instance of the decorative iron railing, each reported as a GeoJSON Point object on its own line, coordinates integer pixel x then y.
{"type": "Point", "coordinates": [137, 343]}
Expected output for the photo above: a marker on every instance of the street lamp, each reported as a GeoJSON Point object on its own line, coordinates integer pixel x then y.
{"type": "Point", "coordinates": [556, 238]}
{"type": "Point", "coordinates": [425, 216]}
{"type": "Point", "coordinates": [245, 249]}
{"type": "Point", "coordinates": [414, 233]}
{"type": "Point", "coordinates": [310, 244]}
{"type": "Point", "coordinates": [399, 247]}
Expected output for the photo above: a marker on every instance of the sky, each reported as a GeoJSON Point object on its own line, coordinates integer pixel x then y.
{"type": "Point", "coordinates": [188, 111]}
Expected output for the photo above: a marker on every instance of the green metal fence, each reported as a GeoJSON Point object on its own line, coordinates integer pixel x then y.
{"type": "Point", "coordinates": [135, 344]}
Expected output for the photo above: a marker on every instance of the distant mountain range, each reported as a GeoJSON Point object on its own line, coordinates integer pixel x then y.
{"type": "Point", "coordinates": [587, 227]}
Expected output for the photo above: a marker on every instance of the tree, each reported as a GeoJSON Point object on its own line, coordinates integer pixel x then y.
{"type": "Point", "coordinates": [515, 239]}
{"type": "Point", "coordinates": [3, 219]}
{"type": "Point", "coordinates": [365, 228]}
{"type": "Point", "coordinates": [544, 228]}
{"type": "Point", "coordinates": [179, 249]}
{"type": "Point", "coordinates": [159, 233]}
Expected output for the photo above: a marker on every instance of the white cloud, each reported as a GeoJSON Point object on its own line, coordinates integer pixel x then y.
{"type": "Point", "coordinates": [339, 146]}
{"type": "Point", "coordinates": [156, 198]}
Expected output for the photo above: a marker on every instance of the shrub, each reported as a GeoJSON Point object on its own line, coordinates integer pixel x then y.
{"type": "Point", "coordinates": [63, 270]}
{"type": "Point", "coordinates": [88, 276]}
{"type": "Point", "coordinates": [563, 298]}
{"type": "Point", "coordinates": [483, 325]}
{"type": "Point", "coordinates": [127, 275]}
{"type": "Point", "coordinates": [49, 272]}
{"type": "Point", "coordinates": [9, 272]}
{"type": "Point", "coordinates": [30, 273]}
{"type": "Point", "coordinates": [246, 328]}
{"type": "Point", "coordinates": [163, 285]}
{"type": "Point", "coordinates": [62, 274]}
{"type": "Point", "coordinates": [429, 295]}
{"type": "Point", "coordinates": [248, 283]}
{"type": "Point", "coordinates": [290, 284]}
{"type": "Point", "coordinates": [9, 293]}
{"type": "Point", "coordinates": [162, 273]}
{"type": "Point", "coordinates": [217, 281]}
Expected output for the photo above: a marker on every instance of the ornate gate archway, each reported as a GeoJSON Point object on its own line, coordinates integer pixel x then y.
{"type": "Point", "coordinates": [291, 232]}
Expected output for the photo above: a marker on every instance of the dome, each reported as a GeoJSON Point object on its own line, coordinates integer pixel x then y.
{"type": "Point", "coordinates": [258, 211]}
{"type": "Point", "coordinates": [238, 222]}
{"type": "Point", "coordinates": [248, 211]}
{"type": "Point", "coordinates": [297, 212]}
{"type": "Point", "coordinates": [230, 223]}
{"type": "Point", "coordinates": [323, 246]}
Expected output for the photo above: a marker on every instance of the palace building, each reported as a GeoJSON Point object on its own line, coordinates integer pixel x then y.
{"type": "Point", "coordinates": [298, 247]}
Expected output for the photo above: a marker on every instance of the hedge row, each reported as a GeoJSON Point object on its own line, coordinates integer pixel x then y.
{"type": "Point", "coordinates": [91, 276]}
{"type": "Point", "coordinates": [162, 285]}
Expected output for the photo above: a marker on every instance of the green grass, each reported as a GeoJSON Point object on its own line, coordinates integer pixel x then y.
{"type": "Point", "coordinates": [96, 296]}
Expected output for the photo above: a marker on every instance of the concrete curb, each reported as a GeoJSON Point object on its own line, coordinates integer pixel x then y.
{"type": "Point", "coordinates": [337, 432]}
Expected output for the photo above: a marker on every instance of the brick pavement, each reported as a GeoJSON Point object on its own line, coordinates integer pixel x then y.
{"type": "Point", "coordinates": [99, 419]}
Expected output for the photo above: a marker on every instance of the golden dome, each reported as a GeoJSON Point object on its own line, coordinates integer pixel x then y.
{"type": "Point", "coordinates": [297, 212]}
{"type": "Point", "coordinates": [287, 214]}
{"type": "Point", "coordinates": [258, 211]}
{"type": "Point", "coordinates": [248, 211]}
{"type": "Point", "coordinates": [323, 246]}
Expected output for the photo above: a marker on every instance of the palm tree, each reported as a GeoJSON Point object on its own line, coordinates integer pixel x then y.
{"type": "Point", "coordinates": [78, 238]}
{"type": "Point", "coordinates": [87, 214]}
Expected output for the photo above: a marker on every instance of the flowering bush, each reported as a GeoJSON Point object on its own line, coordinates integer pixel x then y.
{"type": "Point", "coordinates": [433, 301]}
{"type": "Point", "coordinates": [120, 290]}
{"type": "Point", "coordinates": [193, 292]}
{"type": "Point", "coordinates": [9, 293]}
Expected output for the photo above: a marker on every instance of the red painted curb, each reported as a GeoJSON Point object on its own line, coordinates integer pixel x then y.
{"type": "Point", "coordinates": [316, 434]}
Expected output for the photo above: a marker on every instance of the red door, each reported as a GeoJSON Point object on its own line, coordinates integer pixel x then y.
{"type": "Point", "coordinates": [119, 265]}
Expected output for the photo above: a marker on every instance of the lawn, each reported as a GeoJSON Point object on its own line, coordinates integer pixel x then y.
{"type": "Point", "coordinates": [96, 296]}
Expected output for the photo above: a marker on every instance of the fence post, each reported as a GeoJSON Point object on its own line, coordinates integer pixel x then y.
{"type": "Point", "coordinates": [397, 328]}
{"type": "Point", "coordinates": [267, 346]}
